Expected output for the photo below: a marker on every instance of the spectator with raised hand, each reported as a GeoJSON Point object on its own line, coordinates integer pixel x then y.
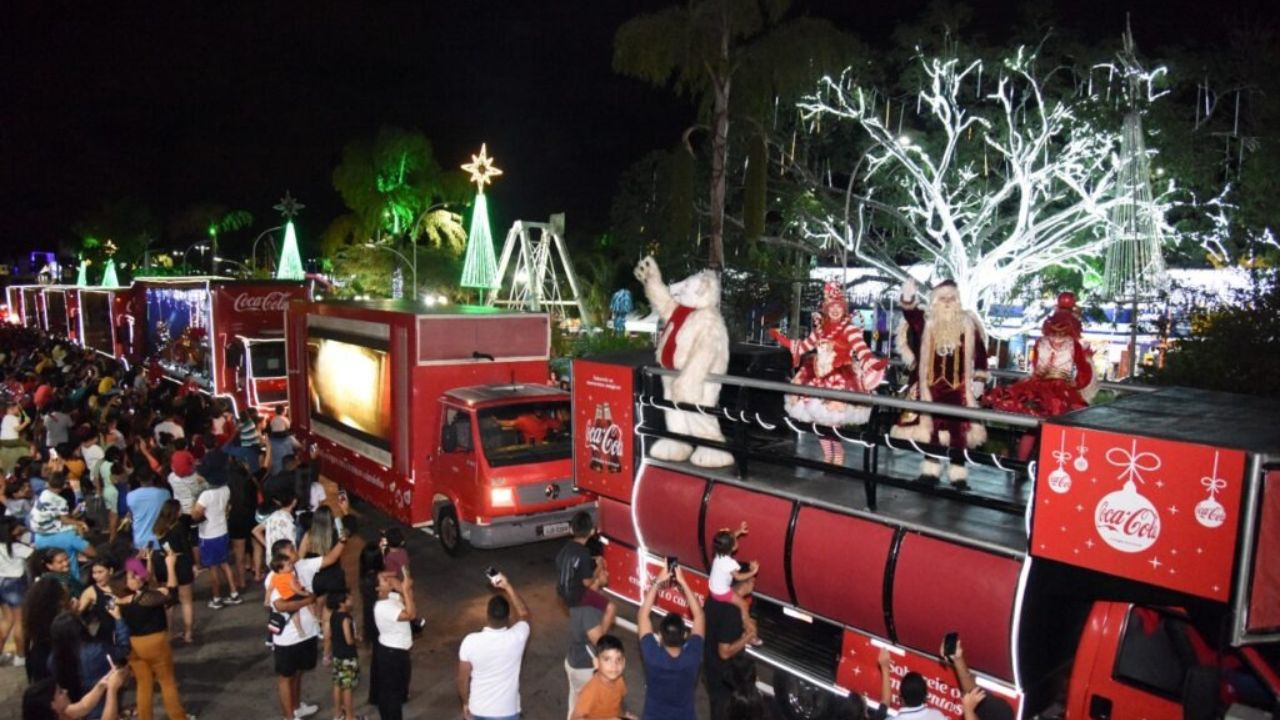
{"type": "Point", "coordinates": [672, 656]}
{"type": "Point", "coordinates": [975, 701]}
{"type": "Point", "coordinates": [46, 700]}
{"type": "Point", "coordinates": [80, 658]}
{"type": "Point", "coordinates": [142, 609]}
{"type": "Point", "coordinates": [489, 660]}
{"type": "Point", "coordinates": [392, 667]}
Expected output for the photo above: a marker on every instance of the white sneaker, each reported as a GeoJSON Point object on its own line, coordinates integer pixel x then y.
{"type": "Point", "coordinates": [19, 661]}
{"type": "Point", "coordinates": [305, 710]}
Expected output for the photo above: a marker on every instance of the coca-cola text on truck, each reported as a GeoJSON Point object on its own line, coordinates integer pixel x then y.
{"type": "Point", "coordinates": [1138, 576]}
{"type": "Point", "coordinates": [441, 417]}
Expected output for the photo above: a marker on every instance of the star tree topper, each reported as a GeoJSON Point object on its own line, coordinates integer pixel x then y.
{"type": "Point", "coordinates": [482, 168]}
{"type": "Point", "coordinates": [289, 206]}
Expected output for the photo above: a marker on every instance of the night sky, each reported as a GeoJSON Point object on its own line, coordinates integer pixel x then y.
{"type": "Point", "coordinates": [183, 102]}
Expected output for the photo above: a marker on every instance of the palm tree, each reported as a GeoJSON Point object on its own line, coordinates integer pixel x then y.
{"type": "Point", "coordinates": [704, 46]}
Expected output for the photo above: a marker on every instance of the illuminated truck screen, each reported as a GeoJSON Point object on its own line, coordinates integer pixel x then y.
{"type": "Point", "coordinates": [349, 384]}
{"type": "Point", "coordinates": [95, 313]}
{"type": "Point", "coordinates": [178, 328]}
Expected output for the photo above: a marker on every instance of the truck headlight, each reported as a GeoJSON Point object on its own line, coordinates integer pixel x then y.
{"type": "Point", "coordinates": [502, 497]}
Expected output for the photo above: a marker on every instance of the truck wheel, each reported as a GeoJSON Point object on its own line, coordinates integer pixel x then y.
{"type": "Point", "coordinates": [450, 532]}
{"type": "Point", "coordinates": [800, 699]}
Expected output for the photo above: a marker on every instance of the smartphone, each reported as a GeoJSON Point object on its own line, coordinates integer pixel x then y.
{"type": "Point", "coordinates": [111, 602]}
{"type": "Point", "coordinates": [949, 644]}
{"type": "Point", "coordinates": [492, 573]}
{"type": "Point", "coordinates": [53, 454]}
{"type": "Point", "coordinates": [342, 496]}
{"type": "Point", "coordinates": [672, 563]}
{"type": "Point", "coordinates": [111, 662]}
{"type": "Point", "coordinates": [337, 525]}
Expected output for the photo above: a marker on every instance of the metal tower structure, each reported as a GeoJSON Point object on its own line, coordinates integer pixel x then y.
{"type": "Point", "coordinates": [535, 271]}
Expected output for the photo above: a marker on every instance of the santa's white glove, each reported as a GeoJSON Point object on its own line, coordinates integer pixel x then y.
{"type": "Point", "coordinates": [908, 290]}
{"type": "Point", "coordinates": [977, 387]}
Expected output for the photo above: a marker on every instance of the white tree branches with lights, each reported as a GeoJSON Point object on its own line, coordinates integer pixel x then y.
{"type": "Point", "coordinates": [1004, 184]}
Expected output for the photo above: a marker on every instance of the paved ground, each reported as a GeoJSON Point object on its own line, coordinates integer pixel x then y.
{"type": "Point", "coordinates": [228, 673]}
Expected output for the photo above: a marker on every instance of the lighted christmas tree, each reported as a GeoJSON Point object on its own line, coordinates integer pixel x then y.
{"type": "Point", "coordinates": [480, 269]}
{"type": "Point", "coordinates": [109, 275]}
{"type": "Point", "coordinates": [82, 277]}
{"type": "Point", "coordinates": [290, 267]}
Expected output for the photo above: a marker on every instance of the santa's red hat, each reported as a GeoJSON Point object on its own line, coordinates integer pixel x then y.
{"type": "Point", "coordinates": [1064, 320]}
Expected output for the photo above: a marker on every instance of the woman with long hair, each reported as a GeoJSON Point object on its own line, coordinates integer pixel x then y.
{"type": "Point", "coordinates": [13, 585]}
{"type": "Point", "coordinates": [371, 566]}
{"type": "Point", "coordinates": [46, 598]}
{"type": "Point", "coordinates": [55, 563]}
{"type": "Point", "coordinates": [79, 658]}
{"type": "Point", "coordinates": [173, 537]}
{"type": "Point", "coordinates": [142, 610]}
{"type": "Point", "coordinates": [240, 521]}
{"type": "Point", "coordinates": [318, 541]}
{"type": "Point", "coordinates": [96, 602]}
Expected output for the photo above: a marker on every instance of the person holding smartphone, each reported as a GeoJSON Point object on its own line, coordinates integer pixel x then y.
{"type": "Point", "coordinates": [673, 654]}
{"type": "Point", "coordinates": [391, 670]}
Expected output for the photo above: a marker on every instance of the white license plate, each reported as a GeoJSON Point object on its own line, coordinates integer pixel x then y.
{"type": "Point", "coordinates": [559, 529]}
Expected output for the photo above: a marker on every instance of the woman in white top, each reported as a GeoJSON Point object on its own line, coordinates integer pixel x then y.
{"type": "Point", "coordinates": [391, 669]}
{"type": "Point", "coordinates": [13, 584]}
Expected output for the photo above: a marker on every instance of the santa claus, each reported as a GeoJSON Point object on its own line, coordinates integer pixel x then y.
{"type": "Point", "coordinates": [945, 349]}
{"type": "Point", "coordinates": [842, 361]}
{"type": "Point", "coordinates": [1062, 377]}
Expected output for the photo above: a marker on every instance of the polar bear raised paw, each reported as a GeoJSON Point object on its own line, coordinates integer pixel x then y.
{"type": "Point", "coordinates": [647, 270]}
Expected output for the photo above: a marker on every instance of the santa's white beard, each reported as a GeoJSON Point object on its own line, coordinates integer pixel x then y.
{"type": "Point", "coordinates": [946, 324]}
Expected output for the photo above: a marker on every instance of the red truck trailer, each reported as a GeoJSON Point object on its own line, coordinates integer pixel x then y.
{"type": "Point", "coordinates": [1136, 576]}
{"type": "Point", "coordinates": [107, 323]}
{"type": "Point", "coordinates": [228, 335]}
{"type": "Point", "coordinates": [61, 314]}
{"type": "Point", "coordinates": [441, 417]}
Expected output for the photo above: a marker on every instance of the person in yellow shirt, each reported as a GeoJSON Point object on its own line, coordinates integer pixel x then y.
{"type": "Point", "coordinates": [603, 695]}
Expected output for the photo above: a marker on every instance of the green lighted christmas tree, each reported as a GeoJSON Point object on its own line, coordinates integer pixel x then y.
{"type": "Point", "coordinates": [480, 268]}
{"type": "Point", "coordinates": [109, 274]}
{"type": "Point", "coordinates": [290, 267]}
{"type": "Point", "coordinates": [82, 277]}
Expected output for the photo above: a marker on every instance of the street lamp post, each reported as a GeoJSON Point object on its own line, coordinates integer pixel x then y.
{"type": "Point", "coordinates": [228, 261]}
{"type": "Point", "coordinates": [253, 254]}
{"type": "Point", "coordinates": [201, 246]}
{"type": "Point", "coordinates": [413, 266]}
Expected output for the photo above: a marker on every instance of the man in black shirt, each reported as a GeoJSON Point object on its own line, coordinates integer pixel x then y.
{"type": "Point", "coordinates": [575, 566]}
{"type": "Point", "coordinates": [725, 638]}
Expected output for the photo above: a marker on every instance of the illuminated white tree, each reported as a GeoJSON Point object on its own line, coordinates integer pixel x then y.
{"type": "Point", "coordinates": [1005, 180]}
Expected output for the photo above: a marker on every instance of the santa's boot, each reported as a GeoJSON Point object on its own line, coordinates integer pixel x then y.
{"type": "Point", "coordinates": [930, 469]}
{"type": "Point", "coordinates": [828, 448]}
{"type": "Point", "coordinates": [958, 474]}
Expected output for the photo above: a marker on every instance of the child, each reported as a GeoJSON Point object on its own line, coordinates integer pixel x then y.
{"type": "Point", "coordinates": [394, 554]}
{"type": "Point", "coordinates": [285, 582]}
{"type": "Point", "coordinates": [603, 694]}
{"type": "Point", "coordinates": [346, 663]}
{"type": "Point", "coordinates": [725, 569]}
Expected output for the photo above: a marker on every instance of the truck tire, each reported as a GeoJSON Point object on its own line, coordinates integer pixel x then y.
{"type": "Point", "coordinates": [800, 699]}
{"type": "Point", "coordinates": [449, 532]}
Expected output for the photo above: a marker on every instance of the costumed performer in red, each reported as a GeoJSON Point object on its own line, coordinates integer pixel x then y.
{"type": "Point", "coordinates": [1062, 377]}
{"type": "Point", "coordinates": [842, 362]}
{"type": "Point", "coordinates": [945, 349]}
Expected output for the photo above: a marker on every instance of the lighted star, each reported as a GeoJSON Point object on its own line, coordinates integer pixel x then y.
{"type": "Point", "coordinates": [482, 168]}
{"type": "Point", "coordinates": [289, 206]}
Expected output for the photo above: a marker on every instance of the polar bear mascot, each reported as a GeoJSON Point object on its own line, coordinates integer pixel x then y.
{"type": "Point", "coordinates": [695, 342]}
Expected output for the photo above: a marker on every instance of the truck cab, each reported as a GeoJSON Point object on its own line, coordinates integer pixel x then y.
{"type": "Point", "coordinates": [505, 455]}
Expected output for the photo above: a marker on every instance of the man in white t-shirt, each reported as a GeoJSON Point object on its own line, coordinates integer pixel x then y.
{"type": "Point", "coordinates": [170, 425]}
{"type": "Point", "coordinates": [489, 661]}
{"type": "Point", "coordinates": [13, 423]}
{"type": "Point", "coordinates": [294, 647]}
{"type": "Point", "coordinates": [210, 512]}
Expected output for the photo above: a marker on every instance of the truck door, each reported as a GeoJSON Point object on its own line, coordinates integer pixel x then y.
{"type": "Point", "coordinates": [453, 473]}
{"type": "Point", "coordinates": [1158, 665]}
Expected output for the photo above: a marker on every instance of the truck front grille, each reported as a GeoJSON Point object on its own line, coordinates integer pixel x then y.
{"type": "Point", "coordinates": [535, 493]}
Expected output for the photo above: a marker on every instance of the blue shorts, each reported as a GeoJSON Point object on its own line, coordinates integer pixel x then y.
{"type": "Point", "coordinates": [13, 591]}
{"type": "Point", "coordinates": [213, 551]}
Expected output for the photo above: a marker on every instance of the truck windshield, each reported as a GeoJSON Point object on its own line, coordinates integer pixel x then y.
{"type": "Point", "coordinates": [526, 433]}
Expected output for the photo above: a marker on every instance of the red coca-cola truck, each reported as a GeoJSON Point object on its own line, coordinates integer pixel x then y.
{"type": "Point", "coordinates": [24, 305]}
{"type": "Point", "coordinates": [440, 416]}
{"type": "Point", "coordinates": [227, 335]}
{"type": "Point", "coordinates": [1136, 576]}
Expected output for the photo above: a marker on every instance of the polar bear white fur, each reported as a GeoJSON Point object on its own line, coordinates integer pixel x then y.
{"type": "Point", "coordinates": [701, 347]}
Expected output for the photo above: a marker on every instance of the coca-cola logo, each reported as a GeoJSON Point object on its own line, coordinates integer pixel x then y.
{"type": "Point", "coordinates": [1125, 526]}
{"type": "Point", "coordinates": [606, 440]}
{"type": "Point", "coordinates": [271, 302]}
